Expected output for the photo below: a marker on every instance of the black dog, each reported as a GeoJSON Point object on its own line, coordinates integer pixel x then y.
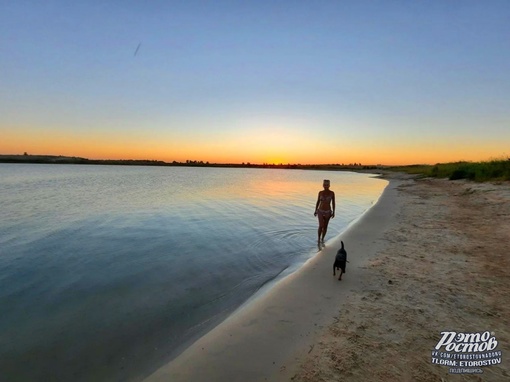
{"type": "Point", "coordinates": [340, 260]}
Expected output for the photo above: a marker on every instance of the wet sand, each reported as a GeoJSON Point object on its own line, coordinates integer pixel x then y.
{"type": "Point", "coordinates": [431, 255]}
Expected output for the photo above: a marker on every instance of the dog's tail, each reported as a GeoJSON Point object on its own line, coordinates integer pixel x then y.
{"type": "Point", "coordinates": [342, 244]}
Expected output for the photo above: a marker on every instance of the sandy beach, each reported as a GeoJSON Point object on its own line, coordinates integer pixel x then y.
{"type": "Point", "coordinates": [431, 255]}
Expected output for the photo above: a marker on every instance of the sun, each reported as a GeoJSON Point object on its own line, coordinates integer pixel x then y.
{"type": "Point", "coordinates": [276, 161]}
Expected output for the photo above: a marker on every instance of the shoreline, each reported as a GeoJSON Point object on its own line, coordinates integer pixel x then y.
{"type": "Point", "coordinates": [67, 160]}
{"type": "Point", "coordinates": [430, 256]}
{"type": "Point", "coordinates": [263, 339]}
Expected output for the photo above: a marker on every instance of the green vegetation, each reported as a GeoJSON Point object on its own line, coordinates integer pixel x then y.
{"type": "Point", "coordinates": [495, 170]}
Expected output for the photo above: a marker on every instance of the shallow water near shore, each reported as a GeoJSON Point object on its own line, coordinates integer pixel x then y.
{"type": "Point", "coordinates": [107, 270]}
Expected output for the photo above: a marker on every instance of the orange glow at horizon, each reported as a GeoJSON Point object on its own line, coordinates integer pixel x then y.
{"type": "Point", "coordinates": [253, 149]}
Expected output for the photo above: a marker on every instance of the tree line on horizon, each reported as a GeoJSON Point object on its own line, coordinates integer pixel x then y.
{"type": "Point", "coordinates": [60, 159]}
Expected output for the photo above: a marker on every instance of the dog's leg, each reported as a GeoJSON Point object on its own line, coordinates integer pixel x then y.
{"type": "Point", "coordinates": [340, 277]}
{"type": "Point", "coordinates": [334, 270]}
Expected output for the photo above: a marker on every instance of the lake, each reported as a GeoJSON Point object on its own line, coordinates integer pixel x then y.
{"type": "Point", "coordinates": [107, 272]}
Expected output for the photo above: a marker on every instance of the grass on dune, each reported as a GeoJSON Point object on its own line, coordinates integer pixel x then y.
{"type": "Point", "coordinates": [494, 170]}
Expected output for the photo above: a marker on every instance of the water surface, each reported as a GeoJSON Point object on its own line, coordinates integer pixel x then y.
{"type": "Point", "coordinates": [106, 272]}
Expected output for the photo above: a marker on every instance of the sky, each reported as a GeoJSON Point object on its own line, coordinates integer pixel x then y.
{"type": "Point", "coordinates": [310, 82]}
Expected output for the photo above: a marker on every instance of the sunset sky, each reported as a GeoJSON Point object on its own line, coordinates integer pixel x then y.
{"type": "Point", "coordinates": [391, 82]}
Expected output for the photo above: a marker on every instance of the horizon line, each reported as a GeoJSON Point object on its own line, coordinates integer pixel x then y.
{"type": "Point", "coordinates": [199, 162]}
{"type": "Point", "coordinates": [19, 159]}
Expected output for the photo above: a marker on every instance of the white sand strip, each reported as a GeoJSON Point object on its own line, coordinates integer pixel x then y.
{"type": "Point", "coordinates": [262, 340]}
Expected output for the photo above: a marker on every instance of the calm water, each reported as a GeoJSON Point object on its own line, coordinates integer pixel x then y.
{"type": "Point", "coordinates": [107, 272]}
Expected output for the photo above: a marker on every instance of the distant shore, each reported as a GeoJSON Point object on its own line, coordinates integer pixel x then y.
{"type": "Point", "coordinates": [59, 159]}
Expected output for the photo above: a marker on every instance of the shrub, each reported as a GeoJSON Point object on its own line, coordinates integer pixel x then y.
{"type": "Point", "coordinates": [476, 171]}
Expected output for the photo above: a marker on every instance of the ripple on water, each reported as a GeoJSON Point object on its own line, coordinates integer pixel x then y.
{"type": "Point", "coordinates": [105, 269]}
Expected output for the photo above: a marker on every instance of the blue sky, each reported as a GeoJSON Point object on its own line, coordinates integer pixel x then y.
{"type": "Point", "coordinates": [322, 81]}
